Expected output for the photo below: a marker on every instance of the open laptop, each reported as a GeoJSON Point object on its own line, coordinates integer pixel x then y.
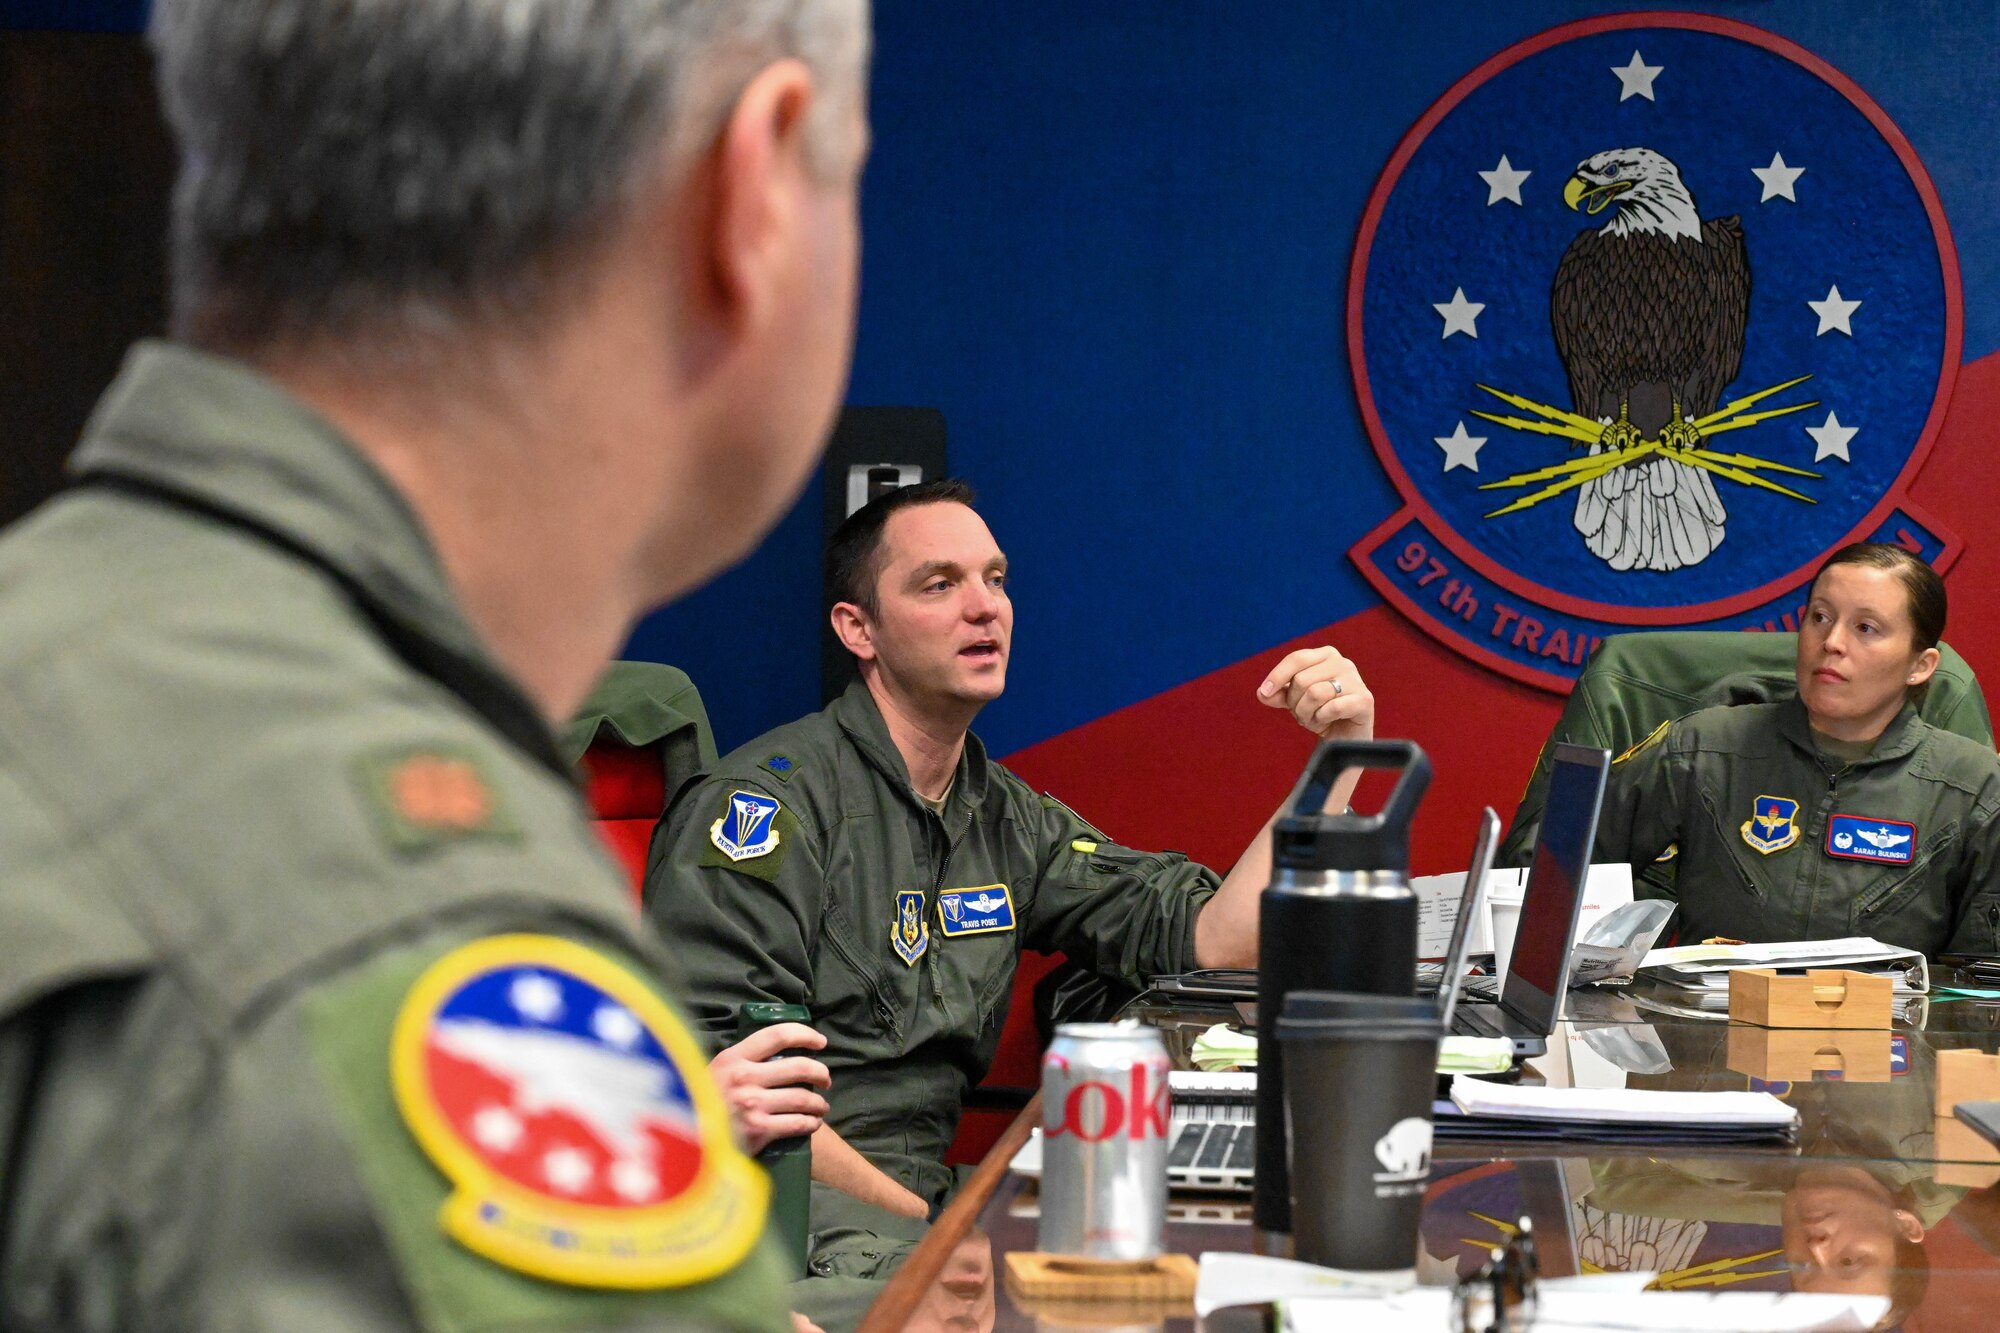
{"type": "Point", "coordinates": [1551, 903]}
{"type": "Point", "coordinates": [1471, 902]}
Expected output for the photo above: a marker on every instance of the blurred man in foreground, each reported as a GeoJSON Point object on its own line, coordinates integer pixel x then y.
{"type": "Point", "coordinates": [496, 326]}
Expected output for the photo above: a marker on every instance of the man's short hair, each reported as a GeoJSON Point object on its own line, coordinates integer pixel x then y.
{"type": "Point", "coordinates": [399, 169]}
{"type": "Point", "coordinates": [854, 552]}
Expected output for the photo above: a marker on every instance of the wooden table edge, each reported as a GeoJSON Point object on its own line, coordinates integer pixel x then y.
{"type": "Point", "coordinates": [893, 1307]}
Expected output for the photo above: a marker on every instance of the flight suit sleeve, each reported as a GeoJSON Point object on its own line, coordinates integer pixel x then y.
{"type": "Point", "coordinates": [1977, 929]}
{"type": "Point", "coordinates": [1641, 822]}
{"type": "Point", "coordinates": [173, 1174]}
{"type": "Point", "coordinates": [1114, 910]}
{"type": "Point", "coordinates": [740, 904]}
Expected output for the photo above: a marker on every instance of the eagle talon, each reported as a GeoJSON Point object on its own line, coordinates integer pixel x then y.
{"type": "Point", "coordinates": [1619, 435]}
{"type": "Point", "coordinates": [1680, 433]}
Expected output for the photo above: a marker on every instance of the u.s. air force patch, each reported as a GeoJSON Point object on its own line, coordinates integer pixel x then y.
{"type": "Point", "coordinates": [747, 828]}
{"type": "Point", "coordinates": [574, 1116]}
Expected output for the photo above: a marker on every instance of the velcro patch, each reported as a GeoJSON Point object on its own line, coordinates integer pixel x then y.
{"type": "Point", "coordinates": [574, 1116]}
{"type": "Point", "coordinates": [987, 910]}
{"type": "Point", "coordinates": [747, 827]}
{"type": "Point", "coordinates": [1858, 838]}
{"type": "Point", "coordinates": [909, 934]}
{"type": "Point", "coordinates": [1773, 824]}
{"type": "Point", "coordinates": [781, 767]}
{"type": "Point", "coordinates": [427, 796]}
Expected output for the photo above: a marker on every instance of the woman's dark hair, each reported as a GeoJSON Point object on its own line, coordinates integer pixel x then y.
{"type": "Point", "coordinates": [1921, 584]}
{"type": "Point", "coordinates": [854, 552]}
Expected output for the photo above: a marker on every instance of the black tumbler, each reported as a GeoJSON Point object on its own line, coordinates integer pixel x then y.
{"type": "Point", "coordinates": [1338, 915]}
{"type": "Point", "coordinates": [1360, 1071]}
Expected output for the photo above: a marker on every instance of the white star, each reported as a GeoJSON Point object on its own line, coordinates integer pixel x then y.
{"type": "Point", "coordinates": [1834, 313]}
{"type": "Point", "coordinates": [497, 1128]}
{"type": "Point", "coordinates": [616, 1026]}
{"type": "Point", "coordinates": [1831, 439]}
{"type": "Point", "coordinates": [567, 1170]}
{"type": "Point", "coordinates": [1503, 182]}
{"type": "Point", "coordinates": [536, 996]}
{"type": "Point", "coordinates": [634, 1180]}
{"type": "Point", "coordinates": [1636, 79]}
{"type": "Point", "coordinates": [1778, 179]}
{"type": "Point", "coordinates": [1459, 314]}
{"type": "Point", "coordinates": [1460, 449]}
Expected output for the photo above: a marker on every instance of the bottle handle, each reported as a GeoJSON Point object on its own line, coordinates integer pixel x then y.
{"type": "Point", "coordinates": [1333, 758]}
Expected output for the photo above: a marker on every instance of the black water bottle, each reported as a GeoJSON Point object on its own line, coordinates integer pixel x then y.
{"type": "Point", "coordinates": [1338, 915]}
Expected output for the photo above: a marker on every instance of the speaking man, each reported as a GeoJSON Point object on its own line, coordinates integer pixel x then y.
{"type": "Point", "coordinates": [871, 862]}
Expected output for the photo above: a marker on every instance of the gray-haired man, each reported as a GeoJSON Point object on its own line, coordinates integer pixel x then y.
{"type": "Point", "coordinates": [499, 321]}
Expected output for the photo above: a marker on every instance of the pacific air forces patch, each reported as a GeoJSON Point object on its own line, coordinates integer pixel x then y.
{"type": "Point", "coordinates": [574, 1117]}
{"type": "Point", "coordinates": [910, 934]}
{"type": "Point", "coordinates": [1773, 824]}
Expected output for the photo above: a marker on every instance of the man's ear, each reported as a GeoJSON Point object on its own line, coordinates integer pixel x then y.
{"type": "Point", "coordinates": [850, 623]}
{"type": "Point", "coordinates": [1927, 665]}
{"type": "Point", "coordinates": [762, 180]}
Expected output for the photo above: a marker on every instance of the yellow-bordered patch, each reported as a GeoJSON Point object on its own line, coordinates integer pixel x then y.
{"type": "Point", "coordinates": [574, 1115]}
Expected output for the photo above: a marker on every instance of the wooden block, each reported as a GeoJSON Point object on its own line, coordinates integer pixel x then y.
{"type": "Point", "coordinates": [1796, 1054]}
{"type": "Point", "coordinates": [1966, 1076]}
{"type": "Point", "coordinates": [1033, 1274]}
{"type": "Point", "coordinates": [1819, 999]}
{"type": "Point", "coordinates": [1964, 1156]}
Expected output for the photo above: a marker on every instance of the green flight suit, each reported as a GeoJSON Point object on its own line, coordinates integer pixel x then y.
{"type": "Point", "coordinates": [1716, 790]}
{"type": "Point", "coordinates": [854, 859]}
{"type": "Point", "coordinates": [257, 774]}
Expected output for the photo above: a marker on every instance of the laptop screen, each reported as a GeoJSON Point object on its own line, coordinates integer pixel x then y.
{"type": "Point", "coordinates": [1471, 902]}
{"type": "Point", "coordinates": [1553, 897]}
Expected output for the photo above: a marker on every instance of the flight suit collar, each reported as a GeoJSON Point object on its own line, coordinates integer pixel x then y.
{"type": "Point", "coordinates": [212, 435]}
{"type": "Point", "coordinates": [1899, 738]}
{"type": "Point", "coordinates": [861, 720]}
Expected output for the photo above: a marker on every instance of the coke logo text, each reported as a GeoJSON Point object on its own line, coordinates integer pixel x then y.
{"type": "Point", "coordinates": [1099, 1110]}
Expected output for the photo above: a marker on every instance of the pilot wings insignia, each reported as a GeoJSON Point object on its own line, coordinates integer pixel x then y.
{"type": "Point", "coordinates": [1857, 838]}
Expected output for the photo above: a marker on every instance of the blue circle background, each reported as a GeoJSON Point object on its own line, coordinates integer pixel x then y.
{"type": "Point", "coordinates": [1723, 106]}
{"type": "Point", "coordinates": [484, 998]}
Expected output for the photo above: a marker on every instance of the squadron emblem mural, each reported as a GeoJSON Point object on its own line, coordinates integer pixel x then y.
{"type": "Point", "coordinates": [1646, 315]}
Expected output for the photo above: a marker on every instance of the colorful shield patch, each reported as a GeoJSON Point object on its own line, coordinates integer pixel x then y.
{"type": "Point", "coordinates": [1773, 824]}
{"type": "Point", "coordinates": [575, 1118]}
{"type": "Point", "coordinates": [910, 935]}
{"type": "Point", "coordinates": [987, 910]}
{"type": "Point", "coordinates": [1858, 838]}
{"type": "Point", "coordinates": [748, 827]}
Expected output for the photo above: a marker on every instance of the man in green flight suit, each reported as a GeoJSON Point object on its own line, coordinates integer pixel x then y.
{"type": "Point", "coordinates": [871, 862]}
{"type": "Point", "coordinates": [320, 1007]}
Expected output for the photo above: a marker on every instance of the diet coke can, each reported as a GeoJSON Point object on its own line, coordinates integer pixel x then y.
{"type": "Point", "coordinates": [1104, 1141]}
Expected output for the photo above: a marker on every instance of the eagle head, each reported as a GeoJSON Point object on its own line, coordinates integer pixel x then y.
{"type": "Point", "coordinates": [1646, 187]}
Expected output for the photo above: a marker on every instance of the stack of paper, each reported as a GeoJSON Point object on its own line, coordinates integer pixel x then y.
{"type": "Point", "coordinates": [1223, 1047]}
{"type": "Point", "coordinates": [1706, 967]}
{"type": "Point", "coordinates": [1482, 1110]}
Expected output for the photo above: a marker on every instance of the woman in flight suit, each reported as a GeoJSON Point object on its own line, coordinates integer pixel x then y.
{"type": "Point", "coordinates": [1839, 812]}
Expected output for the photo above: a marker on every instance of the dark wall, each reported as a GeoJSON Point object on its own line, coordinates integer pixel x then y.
{"type": "Point", "coordinates": [86, 167]}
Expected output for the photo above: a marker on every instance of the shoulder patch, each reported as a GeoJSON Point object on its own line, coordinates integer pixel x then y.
{"type": "Point", "coordinates": [426, 796]}
{"type": "Point", "coordinates": [573, 1115]}
{"type": "Point", "coordinates": [747, 827]}
{"type": "Point", "coordinates": [1652, 737]}
{"type": "Point", "coordinates": [362, 1025]}
{"type": "Point", "coordinates": [751, 833]}
{"type": "Point", "coordinates": [781, 767]}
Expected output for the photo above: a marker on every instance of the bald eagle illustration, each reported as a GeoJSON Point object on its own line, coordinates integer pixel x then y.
{"type": "Point", "coordinates": [1648, 312]}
